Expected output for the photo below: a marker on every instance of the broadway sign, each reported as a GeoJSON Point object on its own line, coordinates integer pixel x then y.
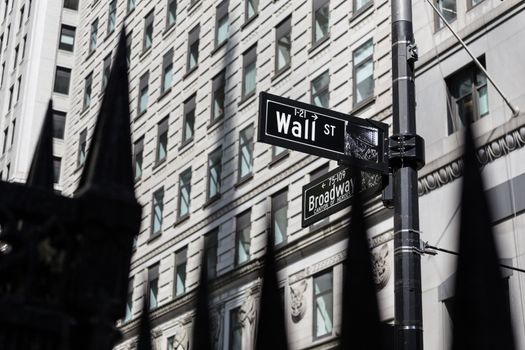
{"type": "Point", "coordinates": [323, 132]}
{"type": "Point", "coordinates": [334, 191]}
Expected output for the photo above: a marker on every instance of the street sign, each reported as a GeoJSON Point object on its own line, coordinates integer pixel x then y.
{"type": "Point", "coordinates": [334, 191]}
{"type": "Point", "coordinates": [323, 132]}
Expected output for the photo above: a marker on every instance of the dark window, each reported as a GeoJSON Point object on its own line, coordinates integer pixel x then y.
{"type": "Point", "coordinates": [6, 133]}
{"type": "Point", "coordinates": [323, 304]}
{"type": "Point", "coordinates": [56, 169]}
{"type": "Point", "coordinates": [242, 237]}
{"type": "Point", "coordinates": [448, 9]}
{"type": "Point", "coordinates": [245, 153]}
{"type": "Point", "coordinates": [279, 218]}
{"type": "Point", "coordinates": [24, 42]}
{"type": "Point", "coordinates": [15, 60]}
{"type": "Point", "coordinates": [18, 87]}
{"type": "Point", "coordinates": [171, 15]}
{"type": "Point", "coordinates": [320, 90]}
{"type": "Point", "coordinates": [143, 94]}
{"type": "Point", "coordinates": [106, 71]}
{"type": "Point", "coordinates": [468, 98]}
{"type": "Point", "coordinates": [29, 3]}
{"type": "Point", "coordinates": [184, 194]}
{"type": "Point", "coordinates": [138, 155]}
{"type": "Point", "coordinates": [88, 84]}
{"type": "Point", "coordinates": [188, 120]}
{"type": "Point", "coordinates": [13, 130]}
{"type": "Point", "coordinates": [363, 72]}
{"type": "Point", "coordinates": [249, 59]}
{"type": "Point", "coordinates": [283, 45]}
{"type": "Point", "coordinates": [148, 31]}
{"type": "Point", "coordinates": [251, 8]}
{"type": "Point", "coordinates": [82, 145]}
{"type": "Point", "coordinates": [193, 49]}
{"type": "Point", "coordinates": [130, 5]}
{"type": "Point", "coordinates": [214, 173]}
{"type": "Point", "coordinates": [218, 94]}
{"type": "Point", "coordinates": [129, 39]}
{"type": "Point", "coordinates": [221, 23]}
{"type": "Point", "coordinates": [360, 4]}
{"type": "Point", "coordinates": [162, 140]}
{"type": "Point", "coordinates": [235, 337]}
{"type": "Point", "coordinates": [112, 15]}
{"type": "Point", "coordinates": [93, 36]}
{"type": "Point", "coordinates": [59, 124]}
{"type": "Point", "coordinates": [129, 301]}
{"type": "Point", "coordinates": [22, 10]}
{"type": "Point", "coordinates": [210, 248]}
{"type": "Point", "coordinates": [71, 4]}
{"type": "Point", "coordinates": [180, 271]}
{"type": "Point", "coordinates": [67, 38]}
{"type": "Point", "coordinates": [321, 15]}
{"type": "Point", "coordinates": [62, 78]}
{"type": "Point", "coordinates": [153, 286]}
{"type": "Point", "coordinates": [167, 71]}
{"type": "Point", "coordinates": [157, 208]}
{"type": "Point", "coordinates": [11, 92]}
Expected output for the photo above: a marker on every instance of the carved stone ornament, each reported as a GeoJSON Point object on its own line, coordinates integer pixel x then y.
{"type": "Point", "coordinates": [217, 327]}
{"type": "Point", "coordinates": [248, 314]}
{"type": "Point", "coordinates": [380, 266]}
{"type": "Point", "coordinates": [180, 338]}
{"type": "Point", "coordinates": [297, 300]}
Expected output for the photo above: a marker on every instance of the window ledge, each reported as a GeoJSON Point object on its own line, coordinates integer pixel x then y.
{"type": "Point", "coordinates": [154, 237]}
{"type": "Point", "coordinates": [188, 73]}
{"type": "Point", "coordinates": [140, 114]}
{"type": "Point", "coordinates": [362, 10]}
{"type": "Point", "coordinates": [249, 20]}
{"type": "Point", "coordinates": [363, 104]}
{"type": "Point", "coordinates": [145, 52]}
{"type": "Point", "coordinates": [282, 73]}
{"type": "Point", "coordinates": [158, 165]}
{"type": "Point", "coordinates": [436, 29]}
{"type": "Point", "coordinates": [169, 30]}
{"type": "Point", "coordinates": [215, 123]}
{"type": "Point", "coordinates": [211, 200]}
{"type": "Point", "coordinates": [278, 158]}
{"type": "Point", "coordinates": [247, 98]}
{"type": "Point", "coordinates": [185, 145]}
{"type": "Point", "coordinates": [243, 180]}
{"type": "Point", "coordinates": [128, 12]}
{"type": "Point", "coordinates": [163, 94]}
{"type": "Point", "coordinates": [193, 6]}
{"type": "Point", "coordinates": [181, 219]}
{"type": "Point", "coordinates": [317, 46]}
{"type": "Point", "coordinates": [217, 48]}
{"type": "Point", "coordinates": [90, 53]}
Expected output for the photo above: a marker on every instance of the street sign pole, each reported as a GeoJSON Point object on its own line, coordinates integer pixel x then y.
{"type": "Point", "coordinates": [406, 157]}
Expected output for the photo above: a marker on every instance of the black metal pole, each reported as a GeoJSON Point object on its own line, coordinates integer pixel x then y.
{"type": "Point", "coordinates": [406, 158]}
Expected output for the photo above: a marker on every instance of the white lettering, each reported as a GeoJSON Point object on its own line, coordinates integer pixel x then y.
{"type": "Point", "coordinates": [283, 122]}
{"type": "Point", "coordinates": [297, 129]}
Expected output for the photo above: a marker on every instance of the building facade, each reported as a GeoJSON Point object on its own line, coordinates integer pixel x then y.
{"type": "Point", "coordinates": [207, 187]}
{"type": "Point", "coordinates": [37, 41]}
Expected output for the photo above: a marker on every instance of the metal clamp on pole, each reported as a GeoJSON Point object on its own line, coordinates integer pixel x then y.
{"type": "Point", "coordinates": [407, 150]}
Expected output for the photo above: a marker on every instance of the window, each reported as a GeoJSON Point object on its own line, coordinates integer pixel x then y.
{"type": "Point", "coordinates": [321, 14]}
{"type": "Point", "coordinates": [112, 15]}
{"type": "Point", "coordinates": [180, 271]}
{"type": "Point", "coordinates": [130, 5]}
{"type": "Point", "coordinates": [242, 237]}
{"type": "Point", "coordinates": [468, 99]}
{"type": "Point", "coordinates": [22, 10]}
{"type": "Point", "coordinates": [143, 94]}
{"type": "Point", "coordinates": [188, 120]}
{"type": "Point", "coordinates": [167, 71]}
{"type": "Point", "coordinates": [448, 9]}
{"type": "Point", "coordinates": [245, 153]}
{"type": "Point", "coordinates": [278, 152]}
{"type": "Point", "coordinates": [82, 143]}
{"type": "Point", "coordinates": [106, 71]}
{"type": "Point", "coordinates": [6, 133]}
{"type": "Point", "coordinates": [88, 83]}
{"type": "Point", "coordinates": [15, 60]}
{"type": "Point", "coordinates": [360, 5]}
{"type": "Point", "coordinates": [279, 217]}
{"type": "Point", "coordinates": [283, 45]}
{"type": "Point", "coordinates": [251, 7]}
{"type": "Point", "coordinates": [18, 87]}
{"type": "Point", "coordinates": [249, 71]}
{"type": "Point", "coordinates": [221, 23]}
{"type": "Point", "coordinates": [171, 15]}
{"type": "Point", "coordinates": [162, 141]}
{"type": "Point", "coordinates": [157, 207]}
{"type": "Point", "coordinates": [153, 286]}
{"type": "Point", "coordinates": [320, 91]}
{"type": "Point", "coordinates": [24, 42]}
{"type": "Point", "coordinates": [214, 173]}
{"type": "Point", "coordinates": [129, 39]}
{"type": "Point", "coordinates": [193, 49]}
{"type": "Point", "coordinates": [67, 38]}
{"type": "Point", "coordinates": [10, 103]}
{"type": "Point", "coordinates": [218, 94]}
{"type": "Point", "coordinates": [93, 36]}
{"type": "Point", "coordinates": [210, 246]}
{"type": "Point", "coordinates": [148, 32]}
{"type": "Point", "coordinates": [235, 337]}
{"type": "Point", "coordinates": [2, 73]}
{"type": "Point", "coordinates": [170, 345]}
{"type": "Point", "coordinates": [56, 169]}
{"type": "Point", "coordinates": [62, 78]}
{"type": "Point", "coordinates": [472, 3]}
{"type": "Point", "coordinates": [184, 194]}
{"type": "Point", "coordinates": [29, 3]}
{"type": "Point", "coordinates": [323, 304]}
{"type": "Point", "coordinates": [13, 130]}
{"type": "Point", "coordinates": [138, 155]}
{"type": "Point", "coordinates": [363, 72]}
{"type": "Point", "coordinates": [71, 4]}
{"type": "Point", "coordinates": [59, 124]}
{"type": "Point", "coordinates": [129, 301]}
